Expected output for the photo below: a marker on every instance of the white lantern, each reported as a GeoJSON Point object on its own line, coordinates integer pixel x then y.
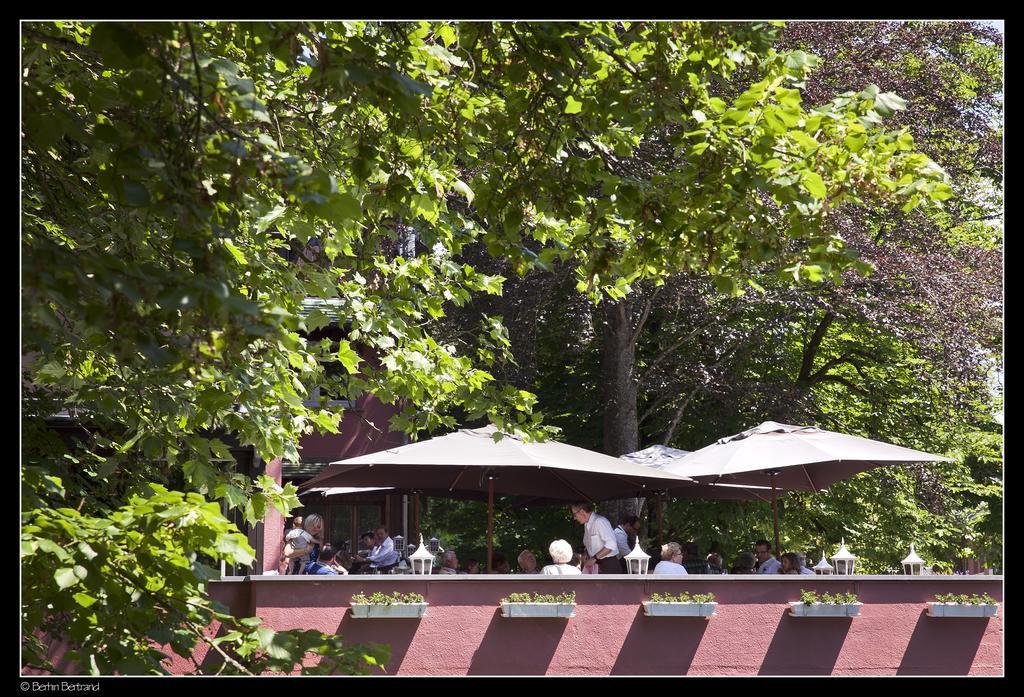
{"type": "Point", "coordinates": [913, 565]}
{"type": "Point", "coordinates": [434, 545]}
{"type": "Point", "coordinates": [422, 560]}
{"type": "Point", "coordinates": [409, 550]}
{"type": "Point", "coordinates": [844, 560]}
{"type": "Point", "coordinates": [822, 567]}
{"type": "Point", "coordinates": [400, 545]}
{"type": "Point", "coordinates": [637, 561]}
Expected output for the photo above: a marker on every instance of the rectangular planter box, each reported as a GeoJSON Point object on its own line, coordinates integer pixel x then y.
{"type": "Point", "coordinates": [955, 610]}
{"type": "Point", "coordinates": [800, 609]}
{"type": "Point", "coordinates": [538, 609]}
{"type": "Point", "coordinates": [652, 609]}
{"type": "Point", "coordinates": [400, 610]}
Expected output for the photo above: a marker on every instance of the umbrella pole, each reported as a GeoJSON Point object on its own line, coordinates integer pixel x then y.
{"type": "Point", "coordinates": [490, 522]}
{"type": "Point", "coordinates": [661, 510]}
{"type": "Point", "coordinates": [775, 517]}
{"type": "Point", "coordinates": [416, 498]}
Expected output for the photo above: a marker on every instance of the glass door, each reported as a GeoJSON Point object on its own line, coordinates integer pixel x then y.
{"type": "Point", "coordinates": [369, 517]}
{"type": "Point", "coordinates": [340, 527]}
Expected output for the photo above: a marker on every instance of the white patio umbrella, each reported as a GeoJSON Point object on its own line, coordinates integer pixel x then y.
{"type": "Point", "coordinates": [343, 490]}
{"type": "Point", "coordinates": [795, 458]}
{"type": "Point", "coordinates": [662, 457]}
{"type": "Point", "coordinates": [656, 456]}
{"type": "Point", "coordinates": [472, 460]}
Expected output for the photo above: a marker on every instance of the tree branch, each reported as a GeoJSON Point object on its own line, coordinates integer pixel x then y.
{"type": "Point", "coordinates": [678, 416]}
{"type": "Point", "coordinates": [811, 350]}
{"type": "Point", "coordinates": [643, 316]}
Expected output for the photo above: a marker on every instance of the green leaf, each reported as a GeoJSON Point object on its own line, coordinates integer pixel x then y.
{"type": "Point", "coordinates": [236, 252]}
{"type": "Point", "coordinates": [463, 188]}
{"type": "Point", "coordinates": [572, 106]}
{"type": "Point", "coordinates": [941, 192]}
{"type": "Point", "coordinates": [813, 183]}
{"type": "Point", "coordinates": [349, 358]}
{"type": "Point", "coordinates": [65, 577]}
{"type": "Point", "coordinates": [344, 207]}
{"type": "Point", "coordinates": [855, 141]}
{"type": "Point", "coordinates": [265, 221]}
{"type": "Point", "coordinates": [887, 102]}
{"type": "Point", "coordinates": [814, 272]}
{"type": "Point", "coordinates": [316, 320]}
{"type": "Point", "coordinates": [84, 599]}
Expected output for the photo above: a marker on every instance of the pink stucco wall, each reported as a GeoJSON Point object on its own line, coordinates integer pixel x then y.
{"type": "Point", "coordinates": [463, 632]}
{"type": "Point", "coordinates": [273, 526]}
{"type": "Point", "coordinates": [356, 437]}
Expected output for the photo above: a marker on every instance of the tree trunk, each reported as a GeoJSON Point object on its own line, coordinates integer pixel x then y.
{"type": "Point", "coordinates": [619, 395]}
{"type": "Point", "coordinates": [618, 381]}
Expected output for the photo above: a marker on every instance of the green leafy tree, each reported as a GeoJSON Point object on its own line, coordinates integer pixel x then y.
{"type": "Point", "coordinates": [904, 353]}
{"type": "Point", "coordinates": [187, 186]}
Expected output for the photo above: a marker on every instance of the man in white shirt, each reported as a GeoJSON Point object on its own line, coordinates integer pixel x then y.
{"type": "Point", "coordinates": [383, 555]}
{"type": "Point", "coordinates": [598, 538]}
{"type": "Point", "coordinates": [766, 563]}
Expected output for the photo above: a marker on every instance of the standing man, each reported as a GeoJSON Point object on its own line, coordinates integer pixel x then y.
{"type": "Point", "coordinates": [383, 555]}
{"type": "Point", "coordinates": [598, 538]}
{"type": "Point", "coordinates": [629, 526]}
{"type": "Point", "coordinates": [766, 563]}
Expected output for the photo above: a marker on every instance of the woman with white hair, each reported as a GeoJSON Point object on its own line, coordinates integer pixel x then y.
{"type": "Point", "coordinates": [561, 554]}
{"type": "Point", "coordinates": [671, 560]}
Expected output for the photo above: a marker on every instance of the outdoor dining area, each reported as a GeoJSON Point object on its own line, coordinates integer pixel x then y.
{"type": "Point", "coordinates": [835, 620]}
{"type": "Point", "coordinates": [761, 463]}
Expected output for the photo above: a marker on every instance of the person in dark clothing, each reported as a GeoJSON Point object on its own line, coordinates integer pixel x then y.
{"type": "Point", "coordinates": [692, 561]}
{"type": "Point", "coordinates": [714, 563]}
{"type": "Point", "coordinates": [324, 564]}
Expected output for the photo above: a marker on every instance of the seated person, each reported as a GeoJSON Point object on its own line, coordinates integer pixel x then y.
{"type": "Point", "coordinates": [744, 563]}
{"type": "Point", "coordinates": [359, 562]}
{"type": "Point", "coordinates": [343, 559]}
{"type": "Point", "coordinates": [499, 563]}
{"type": "Point", "coordinates": [449, 563]}
{"type": "Point", "coordinates": [527, 562]}
{"type": "Point", "coordinates": [790, 564]}
{"type": "Point", "coordinates": [562, 556]}
{"type": "Point", "coordinates": [804, 569]}
{"type": "Point", "coordinates": [383, 556]}
{"type": "Point", "coordinates": [472, 567]}
{"type": "Point", "coordinates": [326, 565]}
{"type": "Point", "coordinates": [714, 561]}
{"type": "Point", "coordinates": [692, 561]}
{"type": "Point", "coordinates": [671, 560]}
{"type": "Point", "coordinates": [766, 563]}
